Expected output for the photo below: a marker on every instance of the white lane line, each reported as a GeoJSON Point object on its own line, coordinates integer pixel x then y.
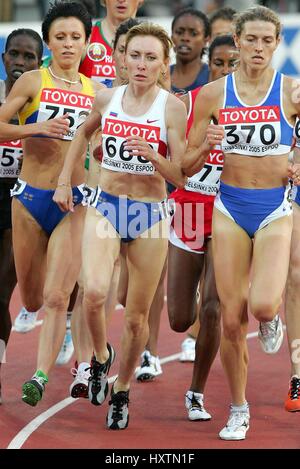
{"type": "Point", "coordinates": [18, 441]}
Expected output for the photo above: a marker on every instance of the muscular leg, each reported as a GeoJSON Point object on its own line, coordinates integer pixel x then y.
{"type": "Point", "coordinates": [143, 281]}
{"type": "Point", "coordinates": [62, 273]}
{"type": "Point", "coordinates": [232, 251]}
{"type": "Point", "coordinates": [208, 339]}
{"type": "Point", "coordinates": [184, 272]}
{"type": "Point", "coordinates": [30, 248]}
{"type": "Point", "coordinates": [123, 280]}
{"type": "Point", "coordinates": [292, 305]}
{"type": "Point", "coordinates": [155, 314]}
{"type": "Point", "coordinates": [101, 250]}
{"type": "Point", "coordinates": [270, 268]}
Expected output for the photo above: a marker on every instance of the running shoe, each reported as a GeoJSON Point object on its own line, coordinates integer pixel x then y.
{"type": "Point", "coordinates": [67, 349]}
{"type": "Point", "coordinates": [79, 387]}
{"type": "Point", "coordinates": [292, 403]}
{"type": "Point", "coordinates": [98, 385]}
{"type": "Point", "coordinates": [188, 350]}
{"type": "Point", "coordinates": [150, 367]}
{"type": "Point", "coordinates": [270, 335]}
{"type": "Point", "coordinates": [25, 321]}
{"type": "Point", "coordinates": [237, 426]}
{"type": "Point", "coordinates": [33, 389]}
{"type": "Point", "coordinates": [118, 416]}
{"type": "Point", "coordinates": [195, 406]}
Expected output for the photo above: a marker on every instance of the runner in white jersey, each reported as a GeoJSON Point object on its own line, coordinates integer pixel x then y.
{"type": "Point", "coordinates": [190, 251]}
{"type": "Point", "coordinates": [51, 104]}
{"type": "Point", "coordinates": [140, 123]}
{"type": "Point", "coordinates": [292, 295]}
{"type": "Point", "coordinates": [252, 222]}
{"type": "Point", "coordinates": [23, 52]}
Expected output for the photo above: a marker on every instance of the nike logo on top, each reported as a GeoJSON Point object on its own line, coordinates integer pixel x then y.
{"type": "Point", "coordinates": [150, 121]}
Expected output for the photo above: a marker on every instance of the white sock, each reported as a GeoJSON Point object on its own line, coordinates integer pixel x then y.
{"type": "Point", "coordinates": [240, 408]}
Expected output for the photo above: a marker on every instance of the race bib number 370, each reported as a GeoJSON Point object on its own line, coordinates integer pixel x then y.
{"type": "Point", "coordinates": [116, 158]}
{"type": "Point", "coordinates": [55, 103]}
{"type": "Point", "coordinates": [251, 130]}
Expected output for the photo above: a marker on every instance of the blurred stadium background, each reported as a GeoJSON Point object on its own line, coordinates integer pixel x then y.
{"type": "Point", "coordinates": [29, 13]}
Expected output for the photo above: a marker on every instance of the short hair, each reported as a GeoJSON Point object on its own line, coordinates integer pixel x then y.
{"type": "Point", "coordinates": [257, 13]}
{"type": "Point", "coordinates": [26, 32]}
{"type": "Point", "coordinates": [123, 28]}
{"type": "Point", "coordinates": [65, 9]}
{"type": "Point", "coordinates": [224, 40]}
{"type": "Point", "coordinates": [193, 12]}
{"type": "Point", "coordinates": [225, 13]}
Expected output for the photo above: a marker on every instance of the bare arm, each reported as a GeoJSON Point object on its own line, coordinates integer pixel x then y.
{"type": "Point", "coordinates": [176, 129]}
{"type": "Point", "coordinates": [203, 136]}
{"type": "Point", "coordinates": [23, 91]}
{"type": "Point", "coordinates": [63, 194]}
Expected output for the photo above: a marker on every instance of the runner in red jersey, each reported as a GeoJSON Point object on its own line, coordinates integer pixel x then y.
{"type": "Point", "coordinates": [190, 254]}
{"type": "Point", "coordinates": [98, 63]}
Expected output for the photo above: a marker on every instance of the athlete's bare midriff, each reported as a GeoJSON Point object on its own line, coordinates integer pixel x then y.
{"type": "Point", "coordinates": [255, 173]}
{"type": "Point", "coordinates": [43, 160]}
{"type": "Point", "coordinates": [144, 188]}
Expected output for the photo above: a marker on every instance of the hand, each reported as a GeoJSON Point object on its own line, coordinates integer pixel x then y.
{"type": "Point", "coordinates": [53, 128]}
{"type": "Point", "coordinates": [138, 146]}
{"type": "Point", "coordinates": [63, 196]}
{"type": "Point", "coordinates": [214, 134]}
{"type": "Point", "coordinates": [294, 173]}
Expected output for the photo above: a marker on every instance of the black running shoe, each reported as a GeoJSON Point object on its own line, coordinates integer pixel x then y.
{"type": "Point", "coordinates": [98, 385]}
{"type": "Point", "coordinates": [118, 416]}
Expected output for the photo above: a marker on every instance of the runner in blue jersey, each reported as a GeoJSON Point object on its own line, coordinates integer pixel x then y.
{"type": "Point", "coordinates": [252, 222]}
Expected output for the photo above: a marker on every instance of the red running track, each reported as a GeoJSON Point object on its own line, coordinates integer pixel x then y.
{"type": "Point", "coordinates": [158, 417]}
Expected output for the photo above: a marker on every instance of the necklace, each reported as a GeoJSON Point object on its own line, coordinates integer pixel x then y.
{"type": "Point", "coordinates": [69, 82]}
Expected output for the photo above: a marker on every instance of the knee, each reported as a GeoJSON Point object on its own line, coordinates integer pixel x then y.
{"type": "Point", "coordinates": [33, 304]}
{"type": "Point", "coordinates": [264, 311]}
{"type": "Point", "coordinates": [210, 316]}
{"type": "Point", "coordinates": [180, 318]}
{"type": "Point", "coordinates": [94, 299]}
{"type": "Point", "coordinates": [56, 301]}
{"type": "Point", "coordinates": [179, 324]}
{"type": "Point", "coordinates": [232, 331]}
{"type": "Point", "coordinates": [136, 324]}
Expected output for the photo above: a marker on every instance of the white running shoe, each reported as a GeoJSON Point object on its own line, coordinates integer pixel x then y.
{"type": "Point", "coordinates": [188, 352]}
{"type": "Point", "coordinates": [25, 321]}
{"type": "Point", "coordinates": [237, 426]}
{"type": "Point", "coordinates": [270, 335]}
{"type": "Point", "coordinates": [66, 350]}
{"type": "Point", "coordinates": [79, 387]}
{"type": "Point", "coordinates": [195, 406]}
{"type": "Point", "coordinates": [150, 367]}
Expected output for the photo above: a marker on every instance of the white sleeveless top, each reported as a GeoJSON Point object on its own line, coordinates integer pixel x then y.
{"type": "Point", "coordinates": [117, 126]}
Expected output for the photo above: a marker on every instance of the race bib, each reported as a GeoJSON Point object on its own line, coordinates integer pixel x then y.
{"type": "Point", "coordinates": [116, 158]}
{"type": "Point", "coordinates": [207, 180]}
{"type": "Point", "coordinates": [251, 130]}
{"type": "Point", "coordinates": [103, 65]}
{"type": "Point", "coordinates": [10, 155]}
{"type": "Point", "coordinates": [55, 103]}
